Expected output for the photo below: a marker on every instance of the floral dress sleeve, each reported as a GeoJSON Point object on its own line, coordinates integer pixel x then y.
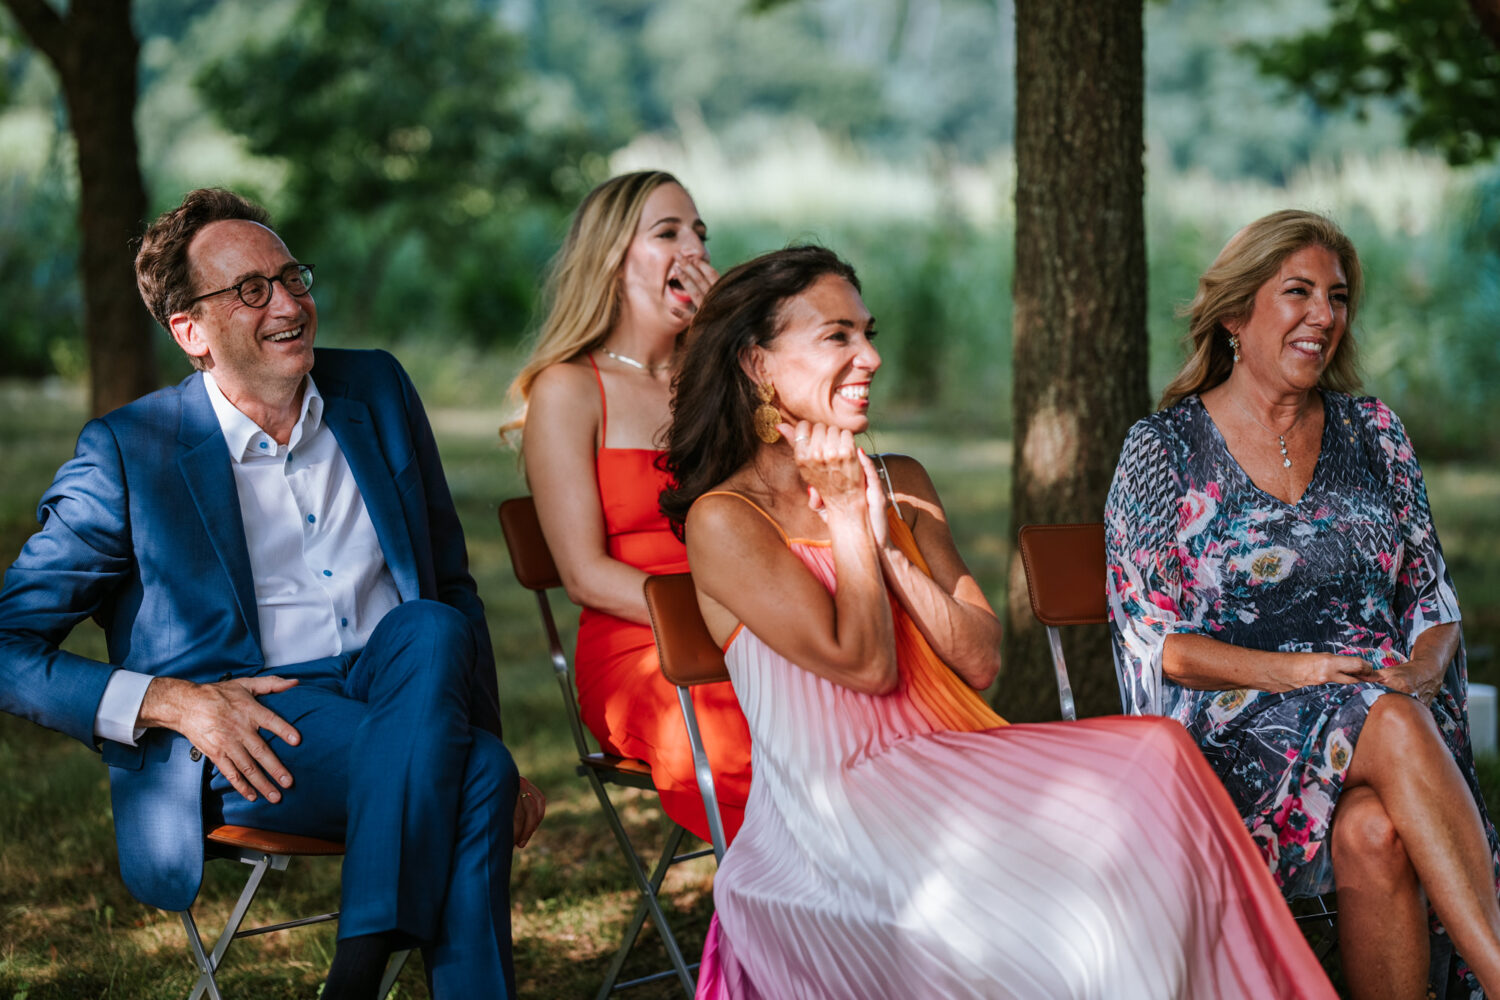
{"type": "Point", "coordinates": [1149, 586]}
{"type": "Point", "coordinates": [1424, 594]}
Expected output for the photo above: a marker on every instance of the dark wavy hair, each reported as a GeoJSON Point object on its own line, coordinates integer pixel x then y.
{"type": "Point", "coordinates": [711, 435]}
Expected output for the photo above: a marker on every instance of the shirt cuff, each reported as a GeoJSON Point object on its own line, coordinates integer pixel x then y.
{"type": "Point", "coordinates": [115, 719]}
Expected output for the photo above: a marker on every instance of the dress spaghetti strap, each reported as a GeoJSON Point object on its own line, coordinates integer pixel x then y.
{"type": "Point", "coordinates": [603, 402]}
{"type": "Point", "coordinates": [752, 503]}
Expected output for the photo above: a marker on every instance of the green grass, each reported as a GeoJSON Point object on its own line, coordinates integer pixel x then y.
{"type": "Point", "coordinates": [68, 928]}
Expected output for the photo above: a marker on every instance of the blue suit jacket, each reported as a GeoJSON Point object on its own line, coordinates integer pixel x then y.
{"type": "Point", "coordinates": [142, 531]}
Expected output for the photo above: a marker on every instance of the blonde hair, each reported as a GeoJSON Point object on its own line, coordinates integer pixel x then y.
{"type": "Point", "coordinates": [1227, 290]}
{"type": "Point", "coordinates": [583, 280]}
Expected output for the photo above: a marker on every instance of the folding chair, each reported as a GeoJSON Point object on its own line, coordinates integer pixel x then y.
{"type": "Point", "coordinates": [688, 657]}
{"type": "Point", "coordinates": [1066, 578]}
{"type": "Point", "coordinates": [532, 562]}
{"type": "Point", "coordinates": [262, 850]}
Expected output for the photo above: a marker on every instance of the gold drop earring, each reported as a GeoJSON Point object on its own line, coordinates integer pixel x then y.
{"type": "Point", "coordinates": [766, 415]}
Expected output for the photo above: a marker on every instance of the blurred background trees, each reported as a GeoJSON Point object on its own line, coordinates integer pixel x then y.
{"type": "Point", "coordinates": [92, 49]}
{"type": "Point", "coordinates": [425, 156]}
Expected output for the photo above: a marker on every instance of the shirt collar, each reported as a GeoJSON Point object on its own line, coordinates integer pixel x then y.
{"type": "Point", "coordinates": [245, 437]}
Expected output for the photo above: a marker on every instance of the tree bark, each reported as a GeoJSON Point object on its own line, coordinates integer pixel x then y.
{"type": "Point", "coordinates": [94, 50]}
{"type": "Point", "coordinates": [1080, 346]}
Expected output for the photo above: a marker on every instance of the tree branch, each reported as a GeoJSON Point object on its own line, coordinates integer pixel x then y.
{"type": "Point", "coordinates": [1487, 12]}
{"type": "Point", "coordinates": [44, 26]}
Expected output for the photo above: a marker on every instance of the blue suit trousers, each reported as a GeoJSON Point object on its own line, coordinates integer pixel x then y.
{"type": "Point", "coordinates": [424, 801]}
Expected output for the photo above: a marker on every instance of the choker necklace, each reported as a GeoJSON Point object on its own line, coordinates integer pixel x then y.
{"type": "Point", "coordinates": [625, 359]}
{"type": "Point", "coordinates": [1286, 463]}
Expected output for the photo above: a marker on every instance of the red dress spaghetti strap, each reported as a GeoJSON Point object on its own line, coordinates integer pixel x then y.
{"type": "Point", "coordinates": [625, 701]}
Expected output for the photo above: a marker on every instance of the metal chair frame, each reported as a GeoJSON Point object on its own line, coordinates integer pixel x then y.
{"type": "Point", "coordinates": [263, 851]}
{"type": "Point", "coordinates": [535, 570]}
{"type": "Point", "coordinates": [1066, 581]}
{"type": "Point", "coordinates": [688, 657]}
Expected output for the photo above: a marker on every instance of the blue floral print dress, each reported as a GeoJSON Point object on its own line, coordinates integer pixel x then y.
{"type": "Point", "coordinates": [1354, 567]}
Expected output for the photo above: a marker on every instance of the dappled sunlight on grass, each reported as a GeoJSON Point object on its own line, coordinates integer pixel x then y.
{"type": "Point", "coordinates": [71, 930]}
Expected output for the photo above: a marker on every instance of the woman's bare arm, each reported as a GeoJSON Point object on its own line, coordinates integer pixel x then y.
{"type": "Point", "coordinates": [1205, 664]}
{"type": "Point", "coordinates": [948, 606]}
{"type": "Point", "coordinates": [559, 443]}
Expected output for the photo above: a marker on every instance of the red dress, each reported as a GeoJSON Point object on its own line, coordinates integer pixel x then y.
{"type": "Point", "coordinates": [625, 701]}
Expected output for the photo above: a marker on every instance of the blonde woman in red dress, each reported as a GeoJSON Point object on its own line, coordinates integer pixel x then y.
{"type": "Point", "coordinates": [595, 396]}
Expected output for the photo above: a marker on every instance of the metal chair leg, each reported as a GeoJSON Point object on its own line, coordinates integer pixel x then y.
{"type": "Point", "coordinates": [206, 967]}
{"type": "Point", "coordinates": [208, 964]}
{"type": "Point", "coordinates": [649, 885]}
{"type": "Point", "coordinates": [397, 963]}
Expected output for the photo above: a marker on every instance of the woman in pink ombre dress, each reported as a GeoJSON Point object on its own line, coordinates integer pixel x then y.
{"type": "Point", "coordinates": [899, 839]}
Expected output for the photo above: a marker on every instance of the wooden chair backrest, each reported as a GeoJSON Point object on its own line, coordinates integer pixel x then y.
{"type": "Point", "coordinates": [529, 555]}
{"type": "Point", "coordinates": [1065, 572]}
{"type": "Point", "coordinates": [689, 655]}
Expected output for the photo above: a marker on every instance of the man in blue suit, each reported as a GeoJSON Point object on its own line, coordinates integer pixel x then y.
{"type": "Point", "coordinates": [295, 642]}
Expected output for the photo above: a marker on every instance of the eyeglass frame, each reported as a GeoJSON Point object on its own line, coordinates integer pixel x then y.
{"type": "Point", "coordinates": [305, 270]}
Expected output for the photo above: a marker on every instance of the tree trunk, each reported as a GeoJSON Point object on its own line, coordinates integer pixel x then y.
{"type": "Point", "coordinates": [94, 50]}
{"type": "Point", "coordinates": [1080, 306]}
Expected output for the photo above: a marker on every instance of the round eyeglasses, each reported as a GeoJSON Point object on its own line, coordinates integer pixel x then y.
{"type": "Point", "coordinates": [255, 291]}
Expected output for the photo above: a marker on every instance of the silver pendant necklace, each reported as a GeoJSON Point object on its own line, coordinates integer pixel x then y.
{"type": "Point", "coordinates": [1286, 462]}
{"type": "Point", "coordinates": [625, 359]}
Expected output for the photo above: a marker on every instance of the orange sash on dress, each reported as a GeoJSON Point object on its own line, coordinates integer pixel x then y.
{"type": "Point", "coordinates": [943, 697]}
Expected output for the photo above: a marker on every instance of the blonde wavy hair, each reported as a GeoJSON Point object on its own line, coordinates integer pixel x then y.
{"type": "Point", "coordinates": [1226, 292]}
{"type": "Point", "coordinates": [583, 281]}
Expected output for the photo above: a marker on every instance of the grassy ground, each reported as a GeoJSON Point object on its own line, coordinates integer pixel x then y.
{"type": "Point", "coordinates": [68, 929]}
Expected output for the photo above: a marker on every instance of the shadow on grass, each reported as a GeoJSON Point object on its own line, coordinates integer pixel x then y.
{"type": "Point", "coordinates": [68, 929]}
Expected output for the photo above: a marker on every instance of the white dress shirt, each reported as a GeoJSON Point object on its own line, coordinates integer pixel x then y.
{"type": "Point", "coordinates": [321, 582]}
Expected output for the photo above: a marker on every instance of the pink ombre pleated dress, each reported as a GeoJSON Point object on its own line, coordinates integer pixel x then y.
{"type": "Point", "coordinates": [912, 845]}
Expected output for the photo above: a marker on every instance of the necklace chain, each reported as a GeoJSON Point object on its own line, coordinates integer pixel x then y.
{"type": "Point", "coordinates": [1286, 462]}
{"type": "Point", "coordinates": [626, 359]}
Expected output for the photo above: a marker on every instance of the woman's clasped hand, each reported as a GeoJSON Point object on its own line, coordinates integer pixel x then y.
{"type": "Point", "coordinates": [838, 473]}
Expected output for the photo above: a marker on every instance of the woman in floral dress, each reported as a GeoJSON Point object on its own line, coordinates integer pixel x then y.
{"type": "Point", "coordinates": [1276, 585]}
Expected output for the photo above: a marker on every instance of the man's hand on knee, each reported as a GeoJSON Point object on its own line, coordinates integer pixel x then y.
{"type": "Point", "coordinates": [225, 720]}
{"type": "Point", "coordinates": [531, 805]}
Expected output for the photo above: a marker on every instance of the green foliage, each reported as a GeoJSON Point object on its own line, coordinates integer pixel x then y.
{"type": "Point", "coordinates": [408, 149]}
{"type": "Point", "coordinates": [1427, 55]}
{"type": "Point", "coordinates": [38, 268]}
{"type": "Point", "coordinates": [1208, 108]}
{"type": "Point", "coordinates": [897, 76]}
{"type": "Point", "coordinates": [1429, 323]}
